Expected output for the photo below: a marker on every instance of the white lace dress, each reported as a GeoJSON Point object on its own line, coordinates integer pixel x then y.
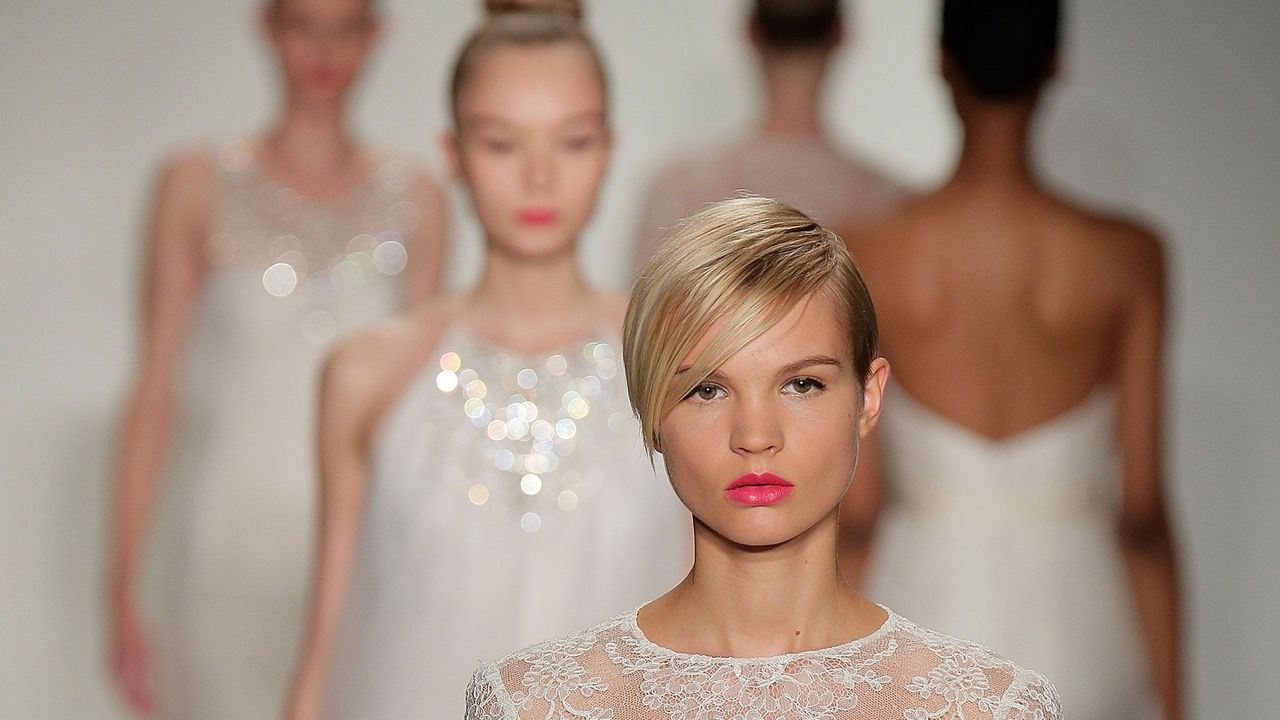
{"type": "Point", "coordinates": [900, 671]}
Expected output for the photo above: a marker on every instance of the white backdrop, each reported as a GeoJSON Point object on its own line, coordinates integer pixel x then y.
{"type": "Point", "coordinates": [1166, 108]}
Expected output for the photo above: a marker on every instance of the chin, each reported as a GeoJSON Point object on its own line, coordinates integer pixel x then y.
{"type": "Point", "coordinates": [328, 93]}
{"type": "Point", "coordinates": [533, 249]}
{"type": "Point", "coordinates": [756, 535]}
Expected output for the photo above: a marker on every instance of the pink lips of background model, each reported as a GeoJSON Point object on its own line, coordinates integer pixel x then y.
{"type": "Point", "coordinates": [538, 216]}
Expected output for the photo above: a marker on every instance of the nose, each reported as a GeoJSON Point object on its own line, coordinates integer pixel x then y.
{"type": "Point", "coordinates": [539, 170]}
{"type": "Point", "coordinates": [756, 428]}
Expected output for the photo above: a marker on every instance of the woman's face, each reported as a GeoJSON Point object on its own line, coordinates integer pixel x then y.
{"type": "Point", "coordinates": [532, 145]}
{"type": "Point", "coordinates": [764, 448]}
{"type": "Point", "coordinates": [321, 44]}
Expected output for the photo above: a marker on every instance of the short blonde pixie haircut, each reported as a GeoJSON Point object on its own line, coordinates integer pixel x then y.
{"type": "Point", "coordinates": [743, 263]}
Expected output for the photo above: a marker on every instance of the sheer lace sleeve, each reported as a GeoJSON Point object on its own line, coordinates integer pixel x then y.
{"type": "Point", "coordinates": [486, 698]}
{"type": "Point", "coordinates": [1030, 697]}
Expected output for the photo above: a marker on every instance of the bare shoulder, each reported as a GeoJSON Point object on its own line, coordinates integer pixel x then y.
{"type": "Point", "coordinates": [1139, 245]}
{"type": "Point", "coordinates": [403, 172]}
{"type": "Point", "coordinates": [1131, 249]}
{"type": "Point", "coordinates": [363, 357]}
{"type": "Point", "coordinates": [186, 175]}
{"type": "Point", "coordinates": [190, 162]}
{"type": "Point", "coordinates": [882, 240]}
{"type": "Point", "coordinates": [182, 203]}
{"type": "Point", "coordinates": [425, 183]}
{"type": "Point", "coordinates": [365, 370]}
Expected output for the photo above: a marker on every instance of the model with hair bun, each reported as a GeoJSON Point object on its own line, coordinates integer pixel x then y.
{"type": "Point", "coordinates": [260, 252]}
{"type": "Point", "coordinates": [483, 485]}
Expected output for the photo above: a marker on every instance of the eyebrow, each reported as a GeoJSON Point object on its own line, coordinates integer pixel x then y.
{"type": "Point", "coordinates": [497, 120]}
{"type": "Point", "coordinates": [790, 367]}
{"type": "Point", "coordinates": [810, 362]}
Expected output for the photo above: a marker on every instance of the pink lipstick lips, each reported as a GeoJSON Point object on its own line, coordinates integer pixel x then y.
{"type": "Point", "coordinates": [759, 489]}
{"type": "Point", "coordinates": [538, 216]}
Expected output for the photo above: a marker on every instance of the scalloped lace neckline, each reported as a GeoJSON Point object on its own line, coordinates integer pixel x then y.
{"type": "Point", "coordinates": [845, 649]}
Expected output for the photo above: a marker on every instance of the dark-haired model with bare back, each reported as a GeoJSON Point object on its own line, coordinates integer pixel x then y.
{"type": "Point", "coordinates": [1027, 334]}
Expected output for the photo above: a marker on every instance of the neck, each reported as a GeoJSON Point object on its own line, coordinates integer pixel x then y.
{"type": "Point", "coordinates": [311, 134]}
{"type": "Point", "coordinates": [996, 146]}
{"type": "Point", "coordinates": [532, 303]}
{"type": "Point", "coordinates": [746, 602]}
{"type": "Point", "coordinates": [793, 92]}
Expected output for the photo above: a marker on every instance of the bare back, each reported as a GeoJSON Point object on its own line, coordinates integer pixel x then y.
{"type": "Point", "coordinates": [1000, 308]}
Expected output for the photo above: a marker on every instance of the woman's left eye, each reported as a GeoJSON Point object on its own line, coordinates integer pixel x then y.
{"type": "Point", "coordinates": [804, 386]}
{"type": "Point", "coordinates": [581, 142]}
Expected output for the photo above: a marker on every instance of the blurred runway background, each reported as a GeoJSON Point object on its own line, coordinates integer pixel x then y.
{"type": "Point", "coordinates": [1166, 108]}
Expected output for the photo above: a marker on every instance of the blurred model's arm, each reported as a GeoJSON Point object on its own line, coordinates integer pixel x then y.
{"type": "Point", "coordinates": [176, 231]}
{"type": "Point", "coordinates": [353, 386]}
{"type": "Point", "coordinates": [1144, 526]}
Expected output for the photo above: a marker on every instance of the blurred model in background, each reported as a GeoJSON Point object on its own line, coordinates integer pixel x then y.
{"type": "Point", "coordinates": [260, 252]}
{"type": "Point", "coordinates": [790, 155]}
{"type": "Point", "coordinates": [483, 483]}
{"type": "Point", "coordinates": [1027, 333]}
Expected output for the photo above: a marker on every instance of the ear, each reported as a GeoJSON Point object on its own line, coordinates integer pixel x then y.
{"type": "Point", "coordinates": [376, 27]}
{"type": "Point", "coordinates": [268, 16]}
{"type": "Point", "coordinates": [609, 140]}
{"type": "Point", "coordinates": [449, 148]}
{"type": "Point", "coordinates": [873, 396]}
{"type": "Point", "coordinates": [753, 34]}
{"type": "Point", "coordinates": [947, 67]}
{"type": "Point", "coordinates": [1052, 67]}
{"type": "Point", "coordinates": [839, 35]}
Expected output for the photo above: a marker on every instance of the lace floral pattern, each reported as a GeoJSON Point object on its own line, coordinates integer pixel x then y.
{"type": "Point", "coordinates": [812, 685]}
{"type": "Point", "coordinates": [899, 671]}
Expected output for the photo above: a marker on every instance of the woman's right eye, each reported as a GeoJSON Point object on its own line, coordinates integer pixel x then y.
{"type": "Point", "coordinates": [705, 392]}
{"type": "Point", "coordinates": [497, 145]}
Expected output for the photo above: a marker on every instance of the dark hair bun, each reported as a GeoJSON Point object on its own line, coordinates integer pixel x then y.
{"type": "Point", "coordinates": [797, 24]}
{"type": "Point", "coordinates": [571, 8]}
{"type": "Point", "coordinates": [1002, 48]}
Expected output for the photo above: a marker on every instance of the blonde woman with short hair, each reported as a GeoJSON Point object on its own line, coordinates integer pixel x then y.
{"type": "Point", "coordinates": [751, 361]}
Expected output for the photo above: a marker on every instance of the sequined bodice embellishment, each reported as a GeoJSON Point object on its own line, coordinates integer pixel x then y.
{"type": "Point", "coordinates": [530, 416]}
{"type": "Point", "coordinates": [312, 257]}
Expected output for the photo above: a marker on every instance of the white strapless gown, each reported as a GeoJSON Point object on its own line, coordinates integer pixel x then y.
{"type": "Point", "coordinates": [230, 556]}
{"type": "Point", "coordinates": [1012, 544]}
{"type": "Point", "coordinates": [510, 500]}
